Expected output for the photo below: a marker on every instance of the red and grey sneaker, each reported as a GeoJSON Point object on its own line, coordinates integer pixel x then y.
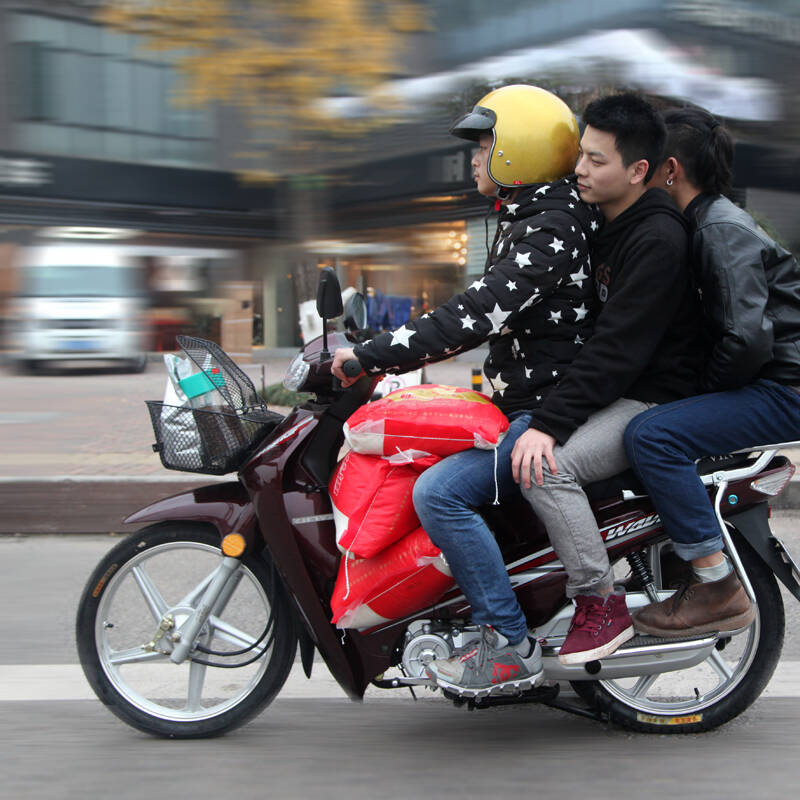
{"type": "Point", "coordinates": [599, 626]}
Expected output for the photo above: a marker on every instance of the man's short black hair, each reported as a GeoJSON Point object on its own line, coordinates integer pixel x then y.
{"type": "Point", "coordinates": [637, 127]}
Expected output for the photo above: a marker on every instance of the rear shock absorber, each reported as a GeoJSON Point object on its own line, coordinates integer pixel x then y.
{"type": "Point", "coordinates": [643, 574]}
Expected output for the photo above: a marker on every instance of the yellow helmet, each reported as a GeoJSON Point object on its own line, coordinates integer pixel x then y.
{"type": "Point", "coordinates": [535, 134]}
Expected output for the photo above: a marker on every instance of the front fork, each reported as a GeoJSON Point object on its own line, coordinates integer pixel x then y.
{"type": "Point", "coordinates": [214, 599]}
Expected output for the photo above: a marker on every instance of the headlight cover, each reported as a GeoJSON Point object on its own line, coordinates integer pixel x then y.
{"type": "Point", "coordinates": [296, 374]}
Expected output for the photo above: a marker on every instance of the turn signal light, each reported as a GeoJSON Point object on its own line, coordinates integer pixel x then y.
{"type": "Point", "coordinates": [774, 484]}
{"type": "Point", "coordinates": [233, 545]}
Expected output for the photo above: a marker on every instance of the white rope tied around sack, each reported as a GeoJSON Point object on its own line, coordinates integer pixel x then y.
{"type": "Point", "coordinates": [496, 487]}
{"type": "Point", "coordinates": [346, 575]}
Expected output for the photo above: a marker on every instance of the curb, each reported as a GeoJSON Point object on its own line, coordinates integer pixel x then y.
{"type": "Point", "coordinates": [83, 504]}
{"type": "Point", "coordinates": [98, 504]}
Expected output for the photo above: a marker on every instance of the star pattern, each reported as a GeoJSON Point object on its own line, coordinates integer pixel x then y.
{"type": "Point", "coordinates": [498, 384]}
{"type": "Point", "coordinates": [580, 312]}
{"type": "Point", "coordinates": [477, 285]}
{"type": "Point", "coordinates": [538, 283]}
{"type": "Point", "coordinates": [401, 336]}
{"type": "Point", "coordinates": [497, 317]}
{"type": "Point", "coordinates": [578, 278]}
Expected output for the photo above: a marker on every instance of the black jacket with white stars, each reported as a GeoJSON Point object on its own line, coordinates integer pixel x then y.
{"type": "Point", "coordinates": [535, 302]}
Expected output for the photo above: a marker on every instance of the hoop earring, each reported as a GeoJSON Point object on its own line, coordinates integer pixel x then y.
{"type": "Point", "coordinates": [670, 181]}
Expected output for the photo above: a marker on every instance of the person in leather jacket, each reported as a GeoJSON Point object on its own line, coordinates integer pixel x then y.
{"type": "Point", "coordinates": [751, 381]}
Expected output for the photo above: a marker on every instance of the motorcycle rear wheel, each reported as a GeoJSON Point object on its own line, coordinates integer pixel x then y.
{"type": "Point", "coordinates": [712, 693]}
{"type": "Point", "coordinates": [160, 573]}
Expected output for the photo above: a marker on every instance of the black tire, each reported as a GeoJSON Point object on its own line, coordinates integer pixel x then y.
{"type": "Point", "coordinates": [191, 548]}
{"type": "Point", "coordinates": [745, 688]}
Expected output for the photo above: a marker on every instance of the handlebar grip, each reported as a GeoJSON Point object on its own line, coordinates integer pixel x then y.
{"type": "Point", "coordinates": [351, 368]}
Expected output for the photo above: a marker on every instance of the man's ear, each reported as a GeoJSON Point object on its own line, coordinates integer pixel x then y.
{"type": "Point", "coordinates": [638, 170]}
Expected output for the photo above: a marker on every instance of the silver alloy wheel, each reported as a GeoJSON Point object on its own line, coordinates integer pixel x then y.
{"type": "Point", "coordinates": [689, 691]}
{"type": "Point", "coordinates": [165, 582]}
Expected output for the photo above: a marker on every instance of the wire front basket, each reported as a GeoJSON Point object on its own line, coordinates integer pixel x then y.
{"type": "Point", "coordinates": [212, 439]}
{"type": "Point", "coordinates": [231, 381]}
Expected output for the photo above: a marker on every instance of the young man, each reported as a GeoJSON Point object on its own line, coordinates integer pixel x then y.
{"type": "Point", "coordinates": [644, 351]}
{"type": "Point", "coordinates": [750, 380]}
{"type": "Point", "coordinates": [533, 304]}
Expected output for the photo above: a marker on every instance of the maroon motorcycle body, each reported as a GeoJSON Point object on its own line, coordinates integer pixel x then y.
{"type": "Point", "coordinates": [280, 505]}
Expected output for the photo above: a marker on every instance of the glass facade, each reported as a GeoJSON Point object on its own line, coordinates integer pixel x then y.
{"type": "Point", "coordinates": [80, 89]}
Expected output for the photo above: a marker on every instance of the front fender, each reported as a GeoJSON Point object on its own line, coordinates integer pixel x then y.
{"type": "Point", "coordinates": [226, 506]}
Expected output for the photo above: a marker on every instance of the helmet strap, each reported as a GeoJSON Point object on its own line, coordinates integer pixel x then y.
{"type": "Point", "coordinates": [502, 193]}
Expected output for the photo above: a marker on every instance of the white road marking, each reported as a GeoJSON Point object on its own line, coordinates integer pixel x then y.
{"type": "Point", "coordinates": [57, 682]}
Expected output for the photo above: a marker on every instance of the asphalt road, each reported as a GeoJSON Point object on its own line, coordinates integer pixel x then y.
{"type": "Point", "coordinates": [314, 742]}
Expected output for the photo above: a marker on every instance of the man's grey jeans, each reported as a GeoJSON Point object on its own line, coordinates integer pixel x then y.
{"type": "Point", "coordinates": [595, 451]}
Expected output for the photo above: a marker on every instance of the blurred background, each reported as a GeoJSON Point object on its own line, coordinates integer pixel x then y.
{"type": "Point", "coordinates": [186, 167]}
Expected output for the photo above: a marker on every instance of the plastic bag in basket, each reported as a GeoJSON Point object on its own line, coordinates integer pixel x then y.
{"type": "Point", "coordinates": [181, 438]}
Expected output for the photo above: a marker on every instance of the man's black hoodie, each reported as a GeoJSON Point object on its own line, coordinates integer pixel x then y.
{"type": "Point", "coordinates": [645, 344]}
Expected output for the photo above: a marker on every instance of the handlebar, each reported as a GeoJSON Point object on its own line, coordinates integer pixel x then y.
{"type": "Point", "coordinates": [352, 368]}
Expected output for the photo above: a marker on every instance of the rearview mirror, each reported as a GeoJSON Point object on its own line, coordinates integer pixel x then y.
{"type": "Point", "coordinates": [329, 295]}
{"type": "Point", "coordinates": [355, 313]}
{"type": "Point", "coordinates": [329, 305]}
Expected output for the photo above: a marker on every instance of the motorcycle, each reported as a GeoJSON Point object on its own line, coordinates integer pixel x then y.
{"type": "Point", "coordinates": [189, 627]}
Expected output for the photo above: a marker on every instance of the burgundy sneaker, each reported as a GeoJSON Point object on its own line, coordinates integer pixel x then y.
{"type": "Point", "coordinates": [598, 628]}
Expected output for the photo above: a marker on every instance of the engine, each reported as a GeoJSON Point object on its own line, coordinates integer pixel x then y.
{"type": "Point", "coordinates": [428, 640]}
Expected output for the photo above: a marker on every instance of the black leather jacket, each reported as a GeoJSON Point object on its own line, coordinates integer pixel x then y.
{"type": "Point", "coordinates": [751, 297]}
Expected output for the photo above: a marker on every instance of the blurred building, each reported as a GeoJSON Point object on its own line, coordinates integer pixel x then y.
{"type": "Point", "coordinates": [93, 148]}
{"type": "Point", "coordinates": [90, 138]}
{"type": "Point", "coordinates": [411, 183]}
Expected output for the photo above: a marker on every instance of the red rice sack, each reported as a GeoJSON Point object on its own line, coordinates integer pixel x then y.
{"type": "Point", "coordinates": [434, 419]}
{"type": "Point", "coordinates": [404, 578]}
{"type": "Point", "coordinates": [372, 500]}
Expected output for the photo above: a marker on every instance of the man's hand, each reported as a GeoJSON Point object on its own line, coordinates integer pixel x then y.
{"type": "Point", "coordinates": [531, 446]}
{"type": "Point", "coordinates": [341, 355]}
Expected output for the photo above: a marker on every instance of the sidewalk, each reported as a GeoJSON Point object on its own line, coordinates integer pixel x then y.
{"type": "Point", "coordinates": [77, 447]}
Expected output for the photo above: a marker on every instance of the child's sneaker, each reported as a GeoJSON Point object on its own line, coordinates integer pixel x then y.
{"type": "Point", "coordinates": [599, 627]}
{"type": "Point", "coordinates": [492, 665]}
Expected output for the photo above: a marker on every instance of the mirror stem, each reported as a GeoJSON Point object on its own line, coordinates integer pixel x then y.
{"type": "Point", "coordinates": [324, 354]}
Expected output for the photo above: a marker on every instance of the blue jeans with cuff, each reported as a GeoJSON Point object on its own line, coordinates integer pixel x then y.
{"type": "Point", "coordinates": [664, 442]}
{"type": "Point", "coordinates": [445, 498]}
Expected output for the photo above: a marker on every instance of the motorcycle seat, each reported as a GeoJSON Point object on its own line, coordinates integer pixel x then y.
{"type": "Point", "coordinates": [616, 484]}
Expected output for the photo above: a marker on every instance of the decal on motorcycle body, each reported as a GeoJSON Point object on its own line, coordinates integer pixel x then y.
{"type": "Point", "coordinates": [617, 532]}
{"type": "Point", "coordinates": [689, 719]}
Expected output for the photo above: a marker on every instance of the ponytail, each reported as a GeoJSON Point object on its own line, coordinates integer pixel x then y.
{"type": "Point", "coordinates": [703, 147]}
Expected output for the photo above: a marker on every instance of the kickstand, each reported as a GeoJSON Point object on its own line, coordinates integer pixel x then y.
{"type": "Point", "coordinates": [575, 709]}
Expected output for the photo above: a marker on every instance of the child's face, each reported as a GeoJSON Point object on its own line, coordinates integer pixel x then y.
{"type": "Point", "coordinates": [602, 177]}
{"type": "Point", "coordinates": [480, 166]}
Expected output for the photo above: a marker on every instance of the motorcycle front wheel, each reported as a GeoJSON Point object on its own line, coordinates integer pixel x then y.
{"type": "Point", "coordinates": [713, 692]}
{"type": "Point", "coordinates": [129, 619]}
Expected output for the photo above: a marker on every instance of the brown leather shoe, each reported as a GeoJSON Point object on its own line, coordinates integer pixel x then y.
{"type": "Point", "coordinates": [696, 607]}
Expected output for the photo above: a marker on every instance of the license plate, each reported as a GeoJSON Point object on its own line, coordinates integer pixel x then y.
{"type": "Point", "coordinates": [80, 344]}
